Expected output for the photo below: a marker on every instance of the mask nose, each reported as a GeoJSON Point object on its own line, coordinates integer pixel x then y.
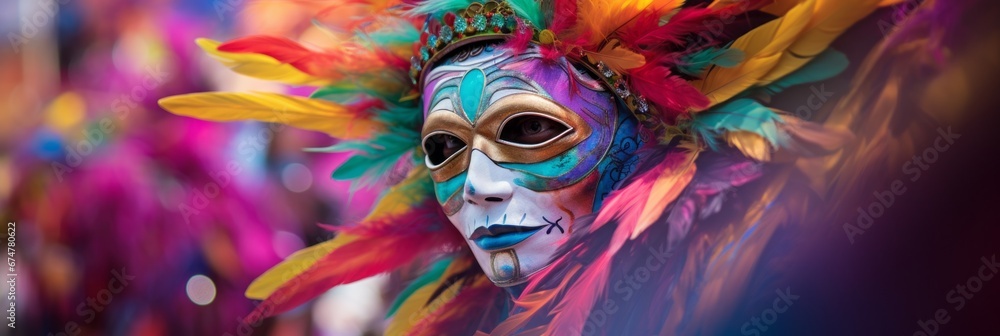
{"type": "Point", "coordinates": [487, 183]}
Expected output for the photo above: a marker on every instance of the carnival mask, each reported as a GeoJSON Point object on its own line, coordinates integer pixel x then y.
{"type": "Point", "coordinates": [519, 148]}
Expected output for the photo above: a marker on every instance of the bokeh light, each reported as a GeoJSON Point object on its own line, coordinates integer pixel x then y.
{"type": "Point", "coordinates": [201, 290]}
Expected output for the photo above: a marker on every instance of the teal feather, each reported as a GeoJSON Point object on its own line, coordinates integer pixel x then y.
{"type": "Point", "coordinates": [432, 274]}
{"type": "Point", "coordinates": [696, 63]}
{"type": "Point", "coordinates": [377, 156]}
{"type": "Point", "coordinates": [348, 92]}
{"type": "Point", "coordinates": [398, 34]}
{"type": "Point", "coordinates": [354, 168]}
{"type": "Point", "coordinates": [742, 114]}
{"type": "Point", "coordinates": [745, 114]}
{"type": "Point", "coordinates": [828, 64]}
{"type": "Point", "coordinates": [529, 10]}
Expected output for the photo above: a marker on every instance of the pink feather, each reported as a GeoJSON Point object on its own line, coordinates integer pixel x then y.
{"type": "Point", "coordinates": [623, 206]}
{"type": "Point", "coordinates": [576, 304]}
{"type": "Point", "coordinates": [520, 40]}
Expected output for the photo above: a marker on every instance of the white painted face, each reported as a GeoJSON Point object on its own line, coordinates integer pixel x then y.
{"type": "Point", "coordinates": [514, 231]}
{"type": "Point", "coordinates": [516, 155]}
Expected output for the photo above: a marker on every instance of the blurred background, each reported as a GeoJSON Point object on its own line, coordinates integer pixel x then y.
{"type": "Point", "coordinates": [130, 220]}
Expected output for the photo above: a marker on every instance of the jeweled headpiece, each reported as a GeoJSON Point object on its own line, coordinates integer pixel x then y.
{"type": "Point", "coordinates": [495, 20]}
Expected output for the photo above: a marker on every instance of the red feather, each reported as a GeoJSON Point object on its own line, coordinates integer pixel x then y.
{"type": "Point", "coordinates": [382, 246]}
{"type": "Point", "coordinates": [647, 34]}
{"type": "Point", "coordinates": [348, 58]}
{"type": "Point", "coordinates": [672, 95]}
{"type": "Point", "coordinates": [644, 24]}
{"type": "Point", "coordinates": [564, 15]}
{"type": "Point", "coordinates": [285, 51]}
{"type": "Point", "coordinates": [686, 21]}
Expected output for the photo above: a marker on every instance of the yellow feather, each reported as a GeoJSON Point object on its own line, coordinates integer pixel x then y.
{"type": "Point", "coordinates": [259, 66]}
{"type": "Point", "coordinates": [399, 199]}
{"type": "Point", "coordinates": [830, 19]}
{"type": "Point", "coordinates": [416, 308]}
{"type": "Point", "coordinates": [300, 112]}
{"type": "Point", "coordinates": [780, 7]}
{"type": "Point", "coordinates": [264, 285]}
{"type": "Point", "coordinates": [778, 48]}
{"type": "Point", "coordinates": [750, 144]}
{"type": "Point", "coordinates": [665, 190]}
{"type": "Point", "coordinates": [763, 47]}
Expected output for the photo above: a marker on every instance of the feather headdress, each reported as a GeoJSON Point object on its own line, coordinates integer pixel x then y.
{"type": "Point", "coordinates": [694, 72]}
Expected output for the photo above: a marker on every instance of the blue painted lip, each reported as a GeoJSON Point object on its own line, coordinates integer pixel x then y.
{"type": "Point", "coordinates": [502, 236]}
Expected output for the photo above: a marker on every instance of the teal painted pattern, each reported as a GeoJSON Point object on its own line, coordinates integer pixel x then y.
{"type": "Point", "coordinates": [551, 168]}
{"type": "Point", "coordinates": [444, 190]}
{"type": "Point", "coordinates": [470, 92]}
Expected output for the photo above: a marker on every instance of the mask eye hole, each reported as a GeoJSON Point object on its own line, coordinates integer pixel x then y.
{"type": "Point", "coordinates": [441, 147]}
{"type": "Point", "coordinates": [531, 130]}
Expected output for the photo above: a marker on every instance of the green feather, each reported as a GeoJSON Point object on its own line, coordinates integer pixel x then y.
{"type": "Point", "coordinates": [434, 273]}
{"type": "Point", "coordinates": [438, 8]}
{"type": "Point", "coordinates": [828, 64]}
{"type": "Point", "coordinates": [737, 115]}
{"type": "Point", "coordinates": [529, 10]}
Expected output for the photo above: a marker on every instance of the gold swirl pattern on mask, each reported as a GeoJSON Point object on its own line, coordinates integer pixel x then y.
{"type": "Point", "coordinates": [485, 134]}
